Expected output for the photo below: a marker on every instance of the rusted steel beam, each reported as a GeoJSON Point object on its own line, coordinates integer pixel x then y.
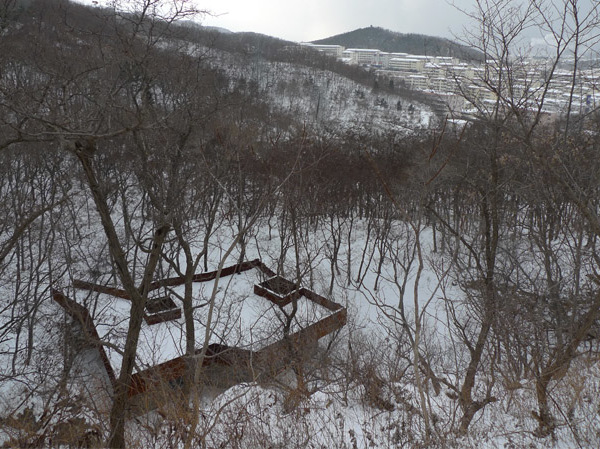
{"type": "Point", "coordinates": [113, 291]}
{"type": "Point", "coordinates": [274, 298]}
{"type": "Point", "coordinates": [171, 282]}
{"type": "Point", "coordinates": [321, 300]}
{"type": "Point", "coordinates": [174, 369]}
{"type": "Point", "coordinates": [235, 361]}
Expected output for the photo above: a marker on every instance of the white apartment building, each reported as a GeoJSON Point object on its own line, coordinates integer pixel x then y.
{"type": "Point", "coordinates": [433, 70]}
{"type": "Point", "coordinates": [418, 82]}
{"type": "Point", "coordinates": [384, 59]}
{"type": "Point", "coordinates": [362, 56]}
{"type": "Point", "coordinates": [461, 72]}
{"type": "Point", "coordinates": [451, 78]}
{"type": "Point", "coordinates": [440, 84]}
{"type": "Point", "coordinates": [478, 94]}
{"type": "Point", "coordinates": [335, 51]}
{"type": "Point", "coordinates": [444, 60]}
{"type": "Point", "coordinates": [407, 64]}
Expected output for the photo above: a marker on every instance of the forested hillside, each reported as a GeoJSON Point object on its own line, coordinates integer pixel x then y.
{"type": "Point", "coordinates": [390, 41]}
{"type": "Point", "coordinates": [134, 152]}
{"type": "Point", "coordinates": [249, 48]}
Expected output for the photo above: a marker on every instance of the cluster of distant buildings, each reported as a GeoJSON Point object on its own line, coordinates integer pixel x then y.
{"type": "Point", "coordinates": [463, 84]}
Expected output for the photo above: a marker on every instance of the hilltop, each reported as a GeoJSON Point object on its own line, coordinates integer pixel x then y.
{"type": "Point", "coordinates": [393, 42]}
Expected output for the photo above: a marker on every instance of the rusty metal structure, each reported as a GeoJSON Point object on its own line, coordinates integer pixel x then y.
{"type": "Point", "coordinates": [223, 366]}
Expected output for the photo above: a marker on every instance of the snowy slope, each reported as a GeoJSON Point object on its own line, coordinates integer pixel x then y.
{"type": "Point", "coordinates": [322, 98]}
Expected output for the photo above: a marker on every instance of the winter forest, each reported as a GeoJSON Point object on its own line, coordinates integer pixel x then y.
{"type": "Point", "coordinates": [137, 148]}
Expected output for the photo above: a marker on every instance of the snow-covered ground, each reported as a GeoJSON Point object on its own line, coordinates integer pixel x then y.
{"type": "Point", "coordinates": [319, 97]}
{"type": "Point", "coordinates": [362, 384]}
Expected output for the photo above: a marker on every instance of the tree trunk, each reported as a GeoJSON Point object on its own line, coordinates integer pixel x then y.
{"type": "Point", "coordinates": [137, 296]}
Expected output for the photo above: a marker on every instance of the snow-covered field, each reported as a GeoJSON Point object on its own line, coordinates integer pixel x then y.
{"type": "Point", "coordinates": [361, 387]}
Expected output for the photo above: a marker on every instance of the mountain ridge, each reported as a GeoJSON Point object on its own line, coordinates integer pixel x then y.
{"type": "Point", "coordinates": [394, 42]}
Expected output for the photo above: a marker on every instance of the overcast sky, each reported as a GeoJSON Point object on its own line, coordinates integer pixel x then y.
{"type": "Point", "coordinates": [309, 20]}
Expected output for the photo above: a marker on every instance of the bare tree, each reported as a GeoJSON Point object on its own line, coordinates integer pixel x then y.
{"type": "Point", "coordinates": [96, 106]}
{"type": "Point", "coordinates": [524, 93]}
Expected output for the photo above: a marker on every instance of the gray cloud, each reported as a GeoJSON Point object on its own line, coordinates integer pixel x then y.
{"type": "Point", "coordinates": [315, 19]}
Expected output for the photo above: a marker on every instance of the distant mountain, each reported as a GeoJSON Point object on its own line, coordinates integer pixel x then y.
{"type": "Point", "coordinates": [220, 30]}
{"type": "Point", "coordinates": [390, 41]}
{"type": "Point", "coordinates": [196, 25]}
